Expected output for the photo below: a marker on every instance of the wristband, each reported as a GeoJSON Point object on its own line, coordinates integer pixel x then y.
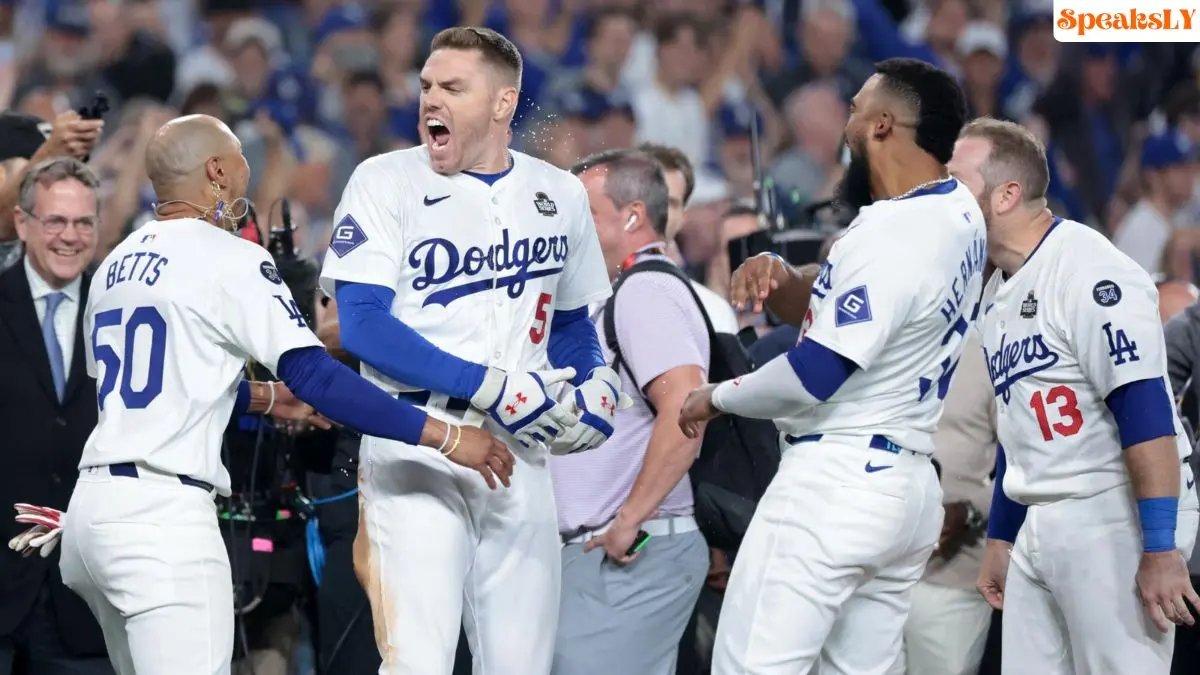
{"type": "Point", "coordinates": [445, 438]}
{"type": "Point", "coordinates": [1157, 517]}
{"type": "Point", "coordinates": [271, 405]}
{"type": "Point", "coordinates": [457, 438]}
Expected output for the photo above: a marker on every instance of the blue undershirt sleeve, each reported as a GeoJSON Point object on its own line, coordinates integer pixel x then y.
{"type": "Point", "coordinates": [340, 394]}
{"type": "Point", "coordinates": [374, 336]}
{"type": "Point", "coordinates": [1143, 411]}
{"type": "Point", "coordinates": [242, 403]}
{"type": "Point", "coordinates": [821, 370]}
{"type": "Point", "coordinates": [574, 343]}
{"type": "Point", "coordinates": [1006, 516]}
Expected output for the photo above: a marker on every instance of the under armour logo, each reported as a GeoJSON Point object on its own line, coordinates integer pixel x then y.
{"type": "Point", "coordinates": [607, 405]}
{"type": "Point", "coordinates": [511, 408]}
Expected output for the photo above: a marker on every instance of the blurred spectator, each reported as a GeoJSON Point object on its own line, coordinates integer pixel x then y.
{"type": "Point", "coordinates": [826, 31]}
{"type": "Point", "coordinates": [1168, 163]}
{"type": "Point", "coordinates": [816, 116]}
{"type": "Point", "coordinates": [399, 36]}
{"type": "Point", "coordinates": [681, 180]}
{"type": "Point", "coordinates": [983, 51]}
{"type": "Point", "coordinates": [134, 60]}
{"type": "Point", "coordinates": [1174, 297]}
{"type": "Point", "coordinates": [948, 624]}
{"type": "Point", "coordinates": [365, 127]}
{"type": "Point", "coordinates": [48, 412]}
{"type": "Point", "coordinates": [638, 481]}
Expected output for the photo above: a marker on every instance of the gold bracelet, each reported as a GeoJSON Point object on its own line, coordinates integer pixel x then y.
{"type": "Point", "coordinates": [454, 446]}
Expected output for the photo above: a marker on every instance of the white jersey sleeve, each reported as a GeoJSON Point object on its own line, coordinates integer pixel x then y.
{"type": "Point", "coordinates": [259, 318]}
{"type": "Point", "coordinates": [584, 279]}
{"type": "Point", "coordinates": [369, 223]}
{"type": "Point", "coordinates": [1112, 322]}
{"type": "Point", "coordinates": [866, 295]}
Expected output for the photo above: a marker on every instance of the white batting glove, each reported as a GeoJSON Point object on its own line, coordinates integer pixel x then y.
{"type": "Point", "coordinates": [43, 536]}
{"type": "Point", "coordinates": [521, 406]}
{"type": "Point", "coordinates": [596, 402]}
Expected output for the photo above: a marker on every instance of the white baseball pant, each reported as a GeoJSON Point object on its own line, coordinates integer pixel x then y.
{"type": "Point", "coordinates": [147, 556]}
{"type": "Point", "coordinates": [1071, 605]}
{"type": "Point", "coordinates": [946, 632]}
{"type": "Point", "coordinates": [824, 575]}
{"type": "Point", "coordinates": [436, 550]}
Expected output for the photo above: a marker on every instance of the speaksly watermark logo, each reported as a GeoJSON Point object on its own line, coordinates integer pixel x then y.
{"type": "Point", "coordinates": [1126, 21]}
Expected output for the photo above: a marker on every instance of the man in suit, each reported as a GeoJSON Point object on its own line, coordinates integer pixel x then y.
{"type": "Point", "coordinates": [47, 411]}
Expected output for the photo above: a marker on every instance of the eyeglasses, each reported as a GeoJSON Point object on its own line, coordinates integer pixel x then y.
{"type": "Point", "coordinates": [55, 224]}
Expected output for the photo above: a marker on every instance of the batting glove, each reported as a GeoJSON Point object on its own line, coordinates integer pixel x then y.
{"type": "Point", "coordinates": [521, 406]}
{"type": "Point", "coordinates": [43, 536]}
{"type": "Point", "coordinates": [596, 402]}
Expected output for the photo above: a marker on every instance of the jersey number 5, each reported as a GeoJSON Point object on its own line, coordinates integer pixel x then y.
{"type": "Point", "coordinates": [1070, 419]}
{"type": "Point", "coordinates": [537, 332]}
{"type": "Point", "coordinates": [152, 323]}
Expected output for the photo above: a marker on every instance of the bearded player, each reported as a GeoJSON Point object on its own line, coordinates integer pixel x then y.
{"type": "Point", "coordinates": [462, 272]}
{"type": "Point", "coordinates": [1094, 459]}
{"type": "Point", "coordinates": [843, 533]}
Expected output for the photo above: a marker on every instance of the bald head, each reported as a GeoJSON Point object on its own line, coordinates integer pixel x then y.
{"type": "Point", "coordinates": [1174, 297]}
{"type": "Point", "coordinates": [189, 153]}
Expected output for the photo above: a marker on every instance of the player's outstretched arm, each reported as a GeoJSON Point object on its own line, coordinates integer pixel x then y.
{"type": "Point", "coordinates": [341, 395]}
{"type": "Point", "coordinates": [371, 333]}
{"type": "Point", "coordinates": [807, 375]}
{"type": "Point", "coordinates": [767, 280]}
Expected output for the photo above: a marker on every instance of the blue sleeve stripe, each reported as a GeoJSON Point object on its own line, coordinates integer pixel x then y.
{"type": "Point", "coordinates": [341, 395]}
{"type": "Point", "coordinates": [1006, 516]}
{"type": "Point", "coordinates": [242, 403]}
{"type": "Point", "coordinates": [374, 336]}
{"type": "Point", "coordinates": [821, 370]}
{"type": "Point", "coordinates": [573, 343]}
{"type": "Point", "coordinates": [1143, 411]}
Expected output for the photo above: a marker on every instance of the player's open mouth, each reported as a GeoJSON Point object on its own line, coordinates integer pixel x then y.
{"type": "Point", "coordinates": [439, 134]}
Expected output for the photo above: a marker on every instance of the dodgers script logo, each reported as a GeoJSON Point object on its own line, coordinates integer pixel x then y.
{"type": "Point", "coordinates": [439, 262]}
{"type": "Point", "coordinates": [1015, 360]}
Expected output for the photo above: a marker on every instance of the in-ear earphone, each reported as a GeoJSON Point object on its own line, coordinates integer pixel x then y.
{"type": "Point", "coordinates": [632, 220]}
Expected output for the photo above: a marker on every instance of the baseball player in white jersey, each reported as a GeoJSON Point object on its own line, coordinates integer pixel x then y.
{"type": "Point", "coordinates": [1090, 441]}
{"type": "Point", "coordinates": [172, 316]}
{"type": "Point", "coordinates": [462, 272]}
{"type": "Point", "coordinates": [844, 531]}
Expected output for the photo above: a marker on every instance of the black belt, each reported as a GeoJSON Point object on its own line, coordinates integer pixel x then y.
{"type": "Point", "coordinates": [130, 470]}
{"type": "Point", "coordinates": [452, 405]}
{"type": "Point", "coordinates": [877, 442]}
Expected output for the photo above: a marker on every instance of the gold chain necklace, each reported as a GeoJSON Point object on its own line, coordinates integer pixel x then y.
{"type": "Point", "coordinates": [922, 186]}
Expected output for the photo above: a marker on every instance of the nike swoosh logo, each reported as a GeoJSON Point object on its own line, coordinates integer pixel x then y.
{"type": "Point", "coordinates": [1191, 482]}
{"type": "Point", "coordinates": [871, 468]}
{"type": "Point", "coordinates": [431, 202]}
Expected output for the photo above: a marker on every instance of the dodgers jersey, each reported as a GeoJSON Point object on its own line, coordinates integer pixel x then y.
{"type": "Point", "coordinates": [172, 316]}
{"type": "Point", "coordinates": [1076, 321]}
{"type": "Point", "coordinates": [896, 297]}
{"type": "Point", "coordinates": [478, 269]}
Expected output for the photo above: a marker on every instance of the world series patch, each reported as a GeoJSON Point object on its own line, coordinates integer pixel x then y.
{"type": "Point", "coordinates": [545, 205]}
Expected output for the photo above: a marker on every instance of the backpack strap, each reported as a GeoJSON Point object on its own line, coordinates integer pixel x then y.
{"type": "Point", "coordinates": [610, 329]}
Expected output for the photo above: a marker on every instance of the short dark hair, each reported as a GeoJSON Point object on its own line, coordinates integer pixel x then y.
{"type": "Point", "coordinates": [495, 49]}
{"type": "Point", "coordinates": [632, 176]}
{"type": "Point", "coordinates": [369, 78]}
{"type": "Point", "coordinates": [596, 19]}
{"type": "Point", "coordinates": [1183, 101]}
{"type": "Point", "coordinates": [669, 27]}
{"type": "Point", "coordinates": [673, 159]}
{"type": "Point", "coordinates": [1015, 154]}
{"type": "Point", "coordinates": [935, 98]}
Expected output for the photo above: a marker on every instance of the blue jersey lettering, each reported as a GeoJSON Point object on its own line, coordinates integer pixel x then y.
{"type": "Point", "coordinates": [440, 262]}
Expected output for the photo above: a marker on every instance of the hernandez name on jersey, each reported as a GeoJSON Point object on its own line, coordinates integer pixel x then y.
{"type": "Point", "coordinates": [479, 264]}
{"type": "Point", "coordinates": [1078, 320]}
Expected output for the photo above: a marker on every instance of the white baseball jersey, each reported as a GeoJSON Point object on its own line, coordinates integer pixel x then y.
{"type": "Point", "coordinates": [896, 297]}
{"type": "Point", "coordinates": [172, 316]}
{"type": "Point", "coordinates": [1076, 321]}
{"type": "Point", "coordinates": [479, 269]}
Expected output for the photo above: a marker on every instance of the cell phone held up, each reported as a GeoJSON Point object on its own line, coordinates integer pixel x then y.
{"type": "Point", "coordinates": [96, 109]}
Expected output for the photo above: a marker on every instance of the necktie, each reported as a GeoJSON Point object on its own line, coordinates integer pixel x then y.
{"type": "Point", "coordinates": [53, 348]}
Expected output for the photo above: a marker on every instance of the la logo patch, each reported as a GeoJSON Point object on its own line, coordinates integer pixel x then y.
{"type": "Point", "coordinates": [1029, 307]}
{"type": "Point", "coordinates": [545, 205]}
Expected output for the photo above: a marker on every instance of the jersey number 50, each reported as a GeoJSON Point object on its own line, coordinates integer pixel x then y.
{"type": "Point", "coordinates": [150, 321]}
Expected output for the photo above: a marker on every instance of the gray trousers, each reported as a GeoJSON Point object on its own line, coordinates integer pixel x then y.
{"type": "Point", "coordinates": [628, 620]}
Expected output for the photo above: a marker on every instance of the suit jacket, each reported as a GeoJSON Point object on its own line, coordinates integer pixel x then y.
{"type": "Point", "coordinates": [39, 457]}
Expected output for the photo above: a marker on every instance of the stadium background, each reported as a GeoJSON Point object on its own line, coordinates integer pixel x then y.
{"type": "Point", "coordinates": [312, 87]}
